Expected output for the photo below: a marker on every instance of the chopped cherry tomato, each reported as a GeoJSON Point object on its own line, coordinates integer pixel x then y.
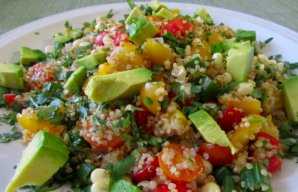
{"type": "Point", "coordinates": [120, 36]}
{"type": "Point", "coordinates": [274, 142]}
{"type": "Point", "coordinates": [230, 118]}
{"type": "Point", "coordinates": [217, 155]}
{"type": "Point", "coordinates": [178, 27]}
{"type": "Point", "coordinates": [165, 188]}
{"type": "Point", "coordinates": [99, 38]}
{"type": "Point", "coordinates": [9, 97]}
{"type": "Point", "coordinates": [38, 75]}
{"type": "Point", "coordinates": [101, 138]}
{"type": "Point", "coordinates": [180, 155]}
{"type": "Point", "coordinates": [142, 118]}
{"type": "Point", "coordinates": [146, 172]}
{"type": "Point", "coordinates": [275, 163]}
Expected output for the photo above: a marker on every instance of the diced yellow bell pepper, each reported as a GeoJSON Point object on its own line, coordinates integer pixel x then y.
{"type": "Point", "coordinates": [246, 131]}
{"type": "Point", "coordinates": [154, 92]}
{"type": "Point", "coordinates": [249, 105]}
{"type": "Point", "coordinates": [157, 53]}
{"type": "Point", "coordinates": [176, 11]}
{"type": "Point", "coordinates": [250, 126]}
{"type": "Point", "coordinates": [32, 124]}
{"type": "Point", "coordinates": [214, 38]}
{"type": "Point", "coordinates": [203, 48]}
{"type": "Point", "coordinates": [105, 68]}
{"type": "Point", "coordinates": [126, 57]}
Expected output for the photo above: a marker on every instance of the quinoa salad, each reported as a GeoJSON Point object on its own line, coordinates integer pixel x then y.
{"type": "Point", "coordinates": [156, 102]}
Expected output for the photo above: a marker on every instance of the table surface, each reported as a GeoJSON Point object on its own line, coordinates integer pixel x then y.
{"type": "Point", "coordinates": [18, 12]}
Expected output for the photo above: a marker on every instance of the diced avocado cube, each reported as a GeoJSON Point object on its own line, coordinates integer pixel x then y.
{"type": "Point", "coordinates": [156, 5]}
{"type": "Point", "coordinates": [29, 56]}
{"type": "Point", "coordinates": [210, 130]}
{"type": "Point", "coordinates": [75, 81]}
{"type": "Point", "coordinates": [134, 15]}
{"type": "Point", "coordinates": [68, 35]}
{"type": "Point", "coordinates": [165, 13]}
{"type": "Point", "coordinates": [102, 88]}
{"type": "Point", "coordinates": [62, 38]}
{"type": "Point", "coordinates": [11, 76]}
{"type": "Point", "coordinates": [239, 60]}
{"type": "Point", "coordinates": [141, 30]}
{"type": "Point", "coordinates": [204, 15]}
{"type": "Point", "coordinates": [290, 93]}
{"type": "Point", "coordinates": [93, 60]}
{"type": "Point", "coordinates": [41, 159]}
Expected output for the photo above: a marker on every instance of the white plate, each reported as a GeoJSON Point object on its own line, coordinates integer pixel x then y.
{"type": "Point", "coordinates": [285, 42]}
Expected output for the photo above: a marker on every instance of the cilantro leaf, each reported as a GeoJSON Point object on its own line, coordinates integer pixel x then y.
{"type": "Point", "coordinates": [10, 118]}
{"type": "Point", "coordinates": [117, 170]}
{"type": "Point", "coordinates": [110, 14]}
{"type": "Point", "coordinates": [10, 136]}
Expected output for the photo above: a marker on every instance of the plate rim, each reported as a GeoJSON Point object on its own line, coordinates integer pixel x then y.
{"type": "Point", "coordinates": [58, 17]}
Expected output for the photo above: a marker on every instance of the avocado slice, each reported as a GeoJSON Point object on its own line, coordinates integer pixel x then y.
{"type": "Point", "coordinates": [134, 15]}
{"type": "Point", "coordinates": [156, 5]}
{"type": "Point", "coordinates": [165, 13]}
{"type": "Point", "coordinates": [93, 60]}
{"type": "Point", "coordinates": [210, 130]}
{"type": "Point", "coordinates": [68, 35]}
{"type": "Point", "coordinates": [75, 81]}
{"type": "Point", "coordinates": [42, 158]}
{"type": "Point", "coordinates": [290, 93]}
{"type": "Point", "coordinates": [204, 15]}
{"type": "Point", "coordinates": [239, 60]}
{"type": "Point", "coordinates": [29, 56]}
{"type": "Point", "coordinates": [141, 30]}
{"type": "Point", "coordinates": [11, 76]}
{"type": "Point", "coordinates": [102, 88]}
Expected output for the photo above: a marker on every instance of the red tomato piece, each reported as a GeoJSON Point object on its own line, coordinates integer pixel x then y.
{"type": "Point", "coordinates": [275, 163]}
{"type": "Point", "coordinates": [147, 172]}
{"type": "Point", "coordinates": [99, 38]}
{"type": "Point", "coordinates": [9, 97]}
{"type": "Point", "coordinates": [142, 118]}
{"type": "Point", "coordinates": [120, 36]}
{"type": "Point", "coordinates": [217, 155]}
{"type": "Point", "coordinates": [165, 188]}
{"type": "Point", "coordinates": [230, 118]}
{"type": "Point", "coordinates": [178, 27]}
{"type": "Point", "coordinates": [273, 141]}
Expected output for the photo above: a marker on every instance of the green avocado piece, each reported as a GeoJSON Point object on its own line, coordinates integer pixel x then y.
{"type": "Point", "coordinates": [134, 15]}
{"type": "Point", "coordinates": [141, 30]}
{"type": "Point", "coordinates": [93, 60]}
{"type": "Point", "coordinates": [29, 56]}
{"type": "Point", "coordinates": [67, 36]}
{"type": "Point", "coordinates": [156, 5]}
{"type": "Point", "coordinates": [204, 15]}
{"type": "Point", "coordinates": [165, 13]}
{"type": "Point", "coordinates": [11, 76]}
{"type": "Point", "coordinates": [102, 88]}
{"type": "Point", "coordinates": [290, 93]}
{"type": "Point", "coordinates": [75, 81]}
{"type": "Point", "coordinates": [124, 186]}
{"type": "Point", "coordinates": [210, 130]}
{"type": "Point", "coordinates": [239, 60]}
{"type": "Point", "coordinates": [41, 159]}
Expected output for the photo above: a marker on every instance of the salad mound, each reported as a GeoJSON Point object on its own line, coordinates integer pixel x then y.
{"type": "Point", "coordinates": [157, 102]}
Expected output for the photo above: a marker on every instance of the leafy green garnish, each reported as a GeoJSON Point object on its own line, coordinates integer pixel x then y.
{"type": "Point", "coordinates": [289, 138]}
{"type": "Point", "coordinates": [147, 101]}
{"type": "Point", "coordinates": [119, 169]}
{"type": "Point", "coordinates": [84, 172]}
{"type": "Point", "coordinates": [10, 136]}
{"type": "Point", "coordinates": [9, 119]}
{"type": "Point", "coordinates": [124, 186]}
{"type": "Point", "coordinates": [243, 35]}
{"type": "Point", "coordinates": [110, 14]}
{"type": "Point", "coordinates": [177, 45]}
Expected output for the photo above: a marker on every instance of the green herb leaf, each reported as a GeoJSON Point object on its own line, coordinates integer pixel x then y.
{"type": "Point", "coordinates": [147, 101]}
{"type": "Point", "coordinates": [9, 119]}
{"type": "Point", "coordinates": [84, 172]}
{"type": "Point", "coordinates": [117, 170]}
{"type": "Point", "coordinates": [243, 35]}
{"type": "Point", "coordinates": [110, 14]}
{"type": "Point", "coordinates": [10, 136]}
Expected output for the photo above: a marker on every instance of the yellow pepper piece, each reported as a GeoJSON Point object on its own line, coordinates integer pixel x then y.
{"type": "Point", "coordinates": [151, 95]}
{"type": "Point", "coordinates": [105, 68]}
{"type": "Point", "coordinates": [214, 38]}
{"type": "Point", "coordinates": [203, 48]}
{"type": "Point", "coordinates": [249, 105]}
{"type": "Point", "coordinates": [157, 53]}
{"type": "Point", "coordinates": [246, 131]}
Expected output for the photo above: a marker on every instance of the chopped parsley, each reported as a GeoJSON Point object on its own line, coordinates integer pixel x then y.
{"type": "Point", "coordinates": [10, 136]}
